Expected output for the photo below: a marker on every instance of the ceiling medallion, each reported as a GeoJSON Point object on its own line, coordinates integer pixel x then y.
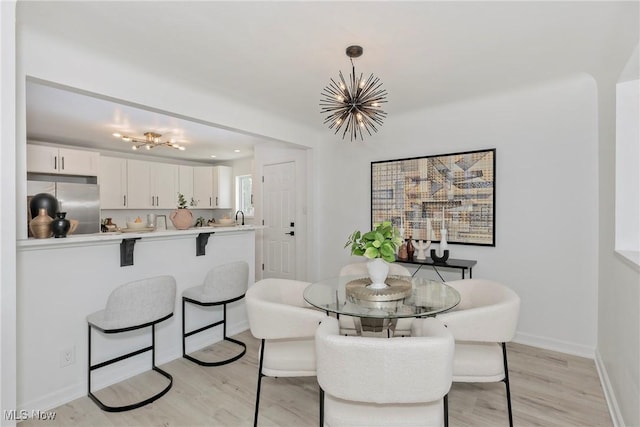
{"type": "Point", "coordinates": [151, 140]}
{"type": "Point", "coordinates": [356, 104]}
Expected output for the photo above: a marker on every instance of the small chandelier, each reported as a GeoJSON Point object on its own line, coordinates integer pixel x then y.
{"type": "Point", "coordinates": [356, 104]}
{"type": "Point", "coordinates": [151, 140]}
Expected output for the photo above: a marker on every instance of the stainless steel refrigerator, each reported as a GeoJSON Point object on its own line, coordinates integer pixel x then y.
{"type": "Point", "coordinates": [79, 201]}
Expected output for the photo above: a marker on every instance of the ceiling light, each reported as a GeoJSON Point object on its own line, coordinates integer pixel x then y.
{"type": "Point", "coordinates": [213, 155]}
{"type": "Point", "coordinates": [151, 140]}
{"type": "Point", "coordinates": [356, 104]}
{"type": "Point", "coordinates": [236, 151]}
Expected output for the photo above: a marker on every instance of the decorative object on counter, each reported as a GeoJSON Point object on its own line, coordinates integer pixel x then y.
{"type": "Point", "coordinates": [151, 140]}
{"type": "Point", "coordinates": [161, 222]}
{"type": "Point", "coordinates": [109, 225]}
{"type": "Point", "coordinates": [421, 246]}
{"type": "Point", "coordinates": [225, 220]}
{"type": "Point", "coordinates": [211, 222]}
{"type": "Point", "coordinates": [439, 259]}
{"type": "Point", "coordinates": [151, 220]}
{"type": "Point", "coordinates": [410, 249]}
{"type": "Point", "coordinates": [46, 201]}
{"type": "Point", "coordinates": [40, 226]}
{"type": "Point", "coordinates": [182, 218]}
{"type": "Point", "coordinates": [60, 226]}
{"type": "Point", "coordinates": [380, 246]}
{"type": "Point", "coordinates": [199, 222]}
{"type": "Point", "coordinates": [74, 225]}
{"type": "Point", "coordinates": [136, 224]}
{"type": "Point", "coordinates": [354, 104]}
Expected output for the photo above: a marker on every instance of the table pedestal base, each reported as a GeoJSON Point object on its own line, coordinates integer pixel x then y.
{"type": "Point", "coordinates": [371, 326]}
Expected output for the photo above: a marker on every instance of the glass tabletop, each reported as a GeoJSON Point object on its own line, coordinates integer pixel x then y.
{"type": "Point", "coordinates": [424, 297]}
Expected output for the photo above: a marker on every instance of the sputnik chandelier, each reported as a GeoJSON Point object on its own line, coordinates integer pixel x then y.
{"type": "Point", "coordinates": [151, 140]}
{"type": "Point", "coordinates": [354, 104]}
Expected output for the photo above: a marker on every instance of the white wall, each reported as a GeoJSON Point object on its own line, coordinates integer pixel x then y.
{"type": "Point", "coordinates": [8, 377]}
{"type": "Point", "coordinates": [618, 353]}
{"type": "Point", "coordinates": [546, 198]}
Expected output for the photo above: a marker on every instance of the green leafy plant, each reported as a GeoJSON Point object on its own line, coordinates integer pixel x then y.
{"type": "Point", "coordinates": [182, 202]}
{"type": "Point", "coordinates": [381, 242]}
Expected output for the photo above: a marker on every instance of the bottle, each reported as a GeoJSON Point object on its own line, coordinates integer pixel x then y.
{"type": "Point", "coordinates": [410, 249]}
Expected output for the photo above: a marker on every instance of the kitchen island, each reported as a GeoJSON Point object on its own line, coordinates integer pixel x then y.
{"type": "Point", "coordinates": [61, 281]}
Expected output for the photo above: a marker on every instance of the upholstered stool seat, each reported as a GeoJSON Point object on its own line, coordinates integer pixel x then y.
{"type": "Point", "coordinates": [223, 285]}
{"type": "Point", "coordinates": [132, 306]}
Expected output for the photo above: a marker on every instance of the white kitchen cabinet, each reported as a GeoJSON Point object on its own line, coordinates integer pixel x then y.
{"type": "Point", "coordinates": [203, 186]}
{"type": "Point", "coordinates": [46, 159]}
{"type": "Point", "coordinates": [151, 185]}
{"type": "Point", "coordinates": [222, 176]}
{"type": "Point", "coordinates": [185, 181]}
{"type": "Point", "coordinates": [113, 183]}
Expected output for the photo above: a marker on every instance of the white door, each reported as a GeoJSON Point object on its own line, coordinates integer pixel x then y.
{"type": "Point", "coordinates": [279, 219]}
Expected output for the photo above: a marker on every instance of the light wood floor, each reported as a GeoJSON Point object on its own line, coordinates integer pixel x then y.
{"type": "Point", "coordinates": [547, 389]}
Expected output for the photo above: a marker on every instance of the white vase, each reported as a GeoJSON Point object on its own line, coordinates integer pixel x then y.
{"type": "Point", "coordinates": [422, 247]}
{"type": "Point", "coordinates": [378, 270]}
{"type": "Point", "coordinates": [443, 242]}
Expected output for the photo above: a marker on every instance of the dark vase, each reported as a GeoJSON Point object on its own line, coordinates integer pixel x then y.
{"type": "Point", "coordinates": [46, 201]}
{"type": "Point", "coordinates": [60, 225]}
{"type": "Point", "coordinates": [410, 249]}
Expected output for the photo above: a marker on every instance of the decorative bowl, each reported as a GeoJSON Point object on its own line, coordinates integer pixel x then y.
{"type": "Point", "coordinates": [226, 221]}
{"type": "Point", "coordinates": [136, 225]}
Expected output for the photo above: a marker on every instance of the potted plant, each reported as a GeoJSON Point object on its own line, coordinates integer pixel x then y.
{"type": "Point", "coordinates": [379, 245]}
{"type": "Point", "coordinates": [182, 218]}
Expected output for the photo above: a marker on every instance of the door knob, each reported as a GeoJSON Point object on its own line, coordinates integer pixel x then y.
{"type": "Point", "coordinates": [291, 233]}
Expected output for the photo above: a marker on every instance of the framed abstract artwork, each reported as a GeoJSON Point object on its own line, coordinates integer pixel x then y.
{"type": "Point", "coordinates": [423, 195]}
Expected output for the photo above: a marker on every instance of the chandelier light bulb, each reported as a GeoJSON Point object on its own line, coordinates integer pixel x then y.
{"type": "Point", "coordinates": [134, 148]}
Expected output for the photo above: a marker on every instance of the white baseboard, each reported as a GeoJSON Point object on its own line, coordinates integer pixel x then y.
{"type": "Point", "coordinates": [117, 374]}
{"type": "Point", "coordinates": [555, 345]}
{"type": "Point", "coordinates": [609, 395]}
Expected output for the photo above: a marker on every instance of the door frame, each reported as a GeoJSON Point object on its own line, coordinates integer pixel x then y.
{"type": "Point", "coordinates": [270, 155]}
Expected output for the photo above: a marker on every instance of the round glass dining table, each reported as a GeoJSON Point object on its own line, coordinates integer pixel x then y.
{"type": "Point", "coordinates": [417, 297]}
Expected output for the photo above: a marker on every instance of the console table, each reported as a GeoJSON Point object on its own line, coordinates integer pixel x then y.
{"type": "Point", "coordinates": [461, 264]}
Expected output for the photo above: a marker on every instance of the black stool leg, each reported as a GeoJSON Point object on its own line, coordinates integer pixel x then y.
{"type": "Point", "coordinates": [222, 322]}
{"type": "Point", "coordinates": [255, 417]}
{"type": "Point", "coordinates": [321, 391]}
{"type": "Point", "coordinates": [156, 396]}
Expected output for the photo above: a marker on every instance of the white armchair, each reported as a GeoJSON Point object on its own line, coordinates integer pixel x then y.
{"type": "Point", "coordinates": [367, 381]}
{"type": "Point", "coordinates": [481, 324]}
{"type": "Point", "coordinates": [286, 326]}
{"type": "Point", "coordinates": [347, 325]}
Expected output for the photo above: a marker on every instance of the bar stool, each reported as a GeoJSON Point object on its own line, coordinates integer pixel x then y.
{"type": "Point", "coordinates": [223, 285]}
{"type": "Point", "coordinates": [133, 306]}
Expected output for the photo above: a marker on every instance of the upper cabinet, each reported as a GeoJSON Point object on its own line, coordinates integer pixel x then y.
{"type": "Point", "coordinates": [222, 176]}
{"type": "Point", "coordinates": [113, 183]}
{"type": "Point", "coordinates": [151, 185]}
{"type": "Point", "coordinates": [203, 186]}
{"type": "Point", "coordinates": [185, 182]}
{"type": "Point", "coordinates": [46, 159]}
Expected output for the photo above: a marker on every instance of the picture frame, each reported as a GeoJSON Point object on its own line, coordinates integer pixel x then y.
{"type": "Point", "coordinates": [421, 195]}
{"type": "Point", "coordinates": [161, 222]}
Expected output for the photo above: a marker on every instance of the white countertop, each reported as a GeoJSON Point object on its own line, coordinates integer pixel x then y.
{"type": "Point", "coordinates": [117, 237]}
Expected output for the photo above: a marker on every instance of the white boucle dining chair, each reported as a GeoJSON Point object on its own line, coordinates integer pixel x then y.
{"type": "Point", "coordinates": [224, 284]}
{"type": "Point", "coordinates": [368, 381]}
{"type": "Point", "coordinates": [285, 325]}
{"type": "Point", "coordinates": [482, 324]}
{"type": "Point", "coordinates": [347, 323]}
{"type": "Point", "coordinates": [134, 305]}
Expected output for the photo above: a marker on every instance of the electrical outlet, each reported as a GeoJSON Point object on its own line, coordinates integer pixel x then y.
{"type": "Point", "coordinates": [68, 356]}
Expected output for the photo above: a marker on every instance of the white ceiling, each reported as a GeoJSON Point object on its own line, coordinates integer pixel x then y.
{"type": "Point", "coordinates": [279, 55]}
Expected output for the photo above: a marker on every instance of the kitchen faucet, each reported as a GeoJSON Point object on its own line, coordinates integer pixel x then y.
{"type": "Point", "coordinates": [240, 212]}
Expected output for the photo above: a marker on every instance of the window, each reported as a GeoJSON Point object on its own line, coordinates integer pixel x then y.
{"type": "Point", "coordinates": [244, 194]}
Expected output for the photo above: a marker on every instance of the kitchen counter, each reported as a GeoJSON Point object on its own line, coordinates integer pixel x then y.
{"type": "Point", "coordinates": [61, 281]}
{"type": "Point", "coordinates": [116, 237]}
